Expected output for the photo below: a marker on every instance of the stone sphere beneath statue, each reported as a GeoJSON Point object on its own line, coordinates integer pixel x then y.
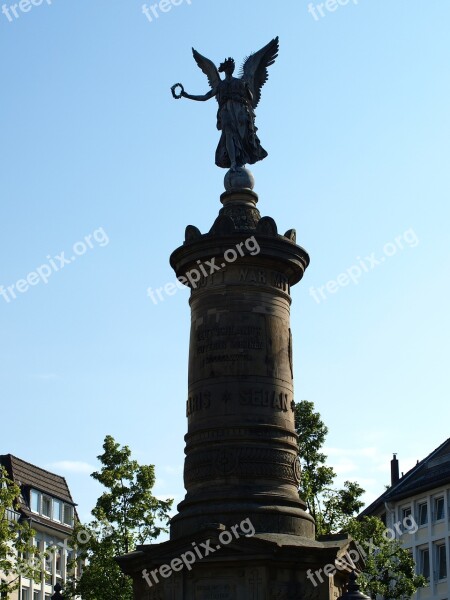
{"type": "Point", "coordinates": [241, 179]}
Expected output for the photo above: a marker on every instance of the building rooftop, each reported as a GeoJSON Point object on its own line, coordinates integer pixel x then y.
{"type": "Point", "coordinates": [27, 475]}
{"type": "Point", "coordinates": [429, 473]}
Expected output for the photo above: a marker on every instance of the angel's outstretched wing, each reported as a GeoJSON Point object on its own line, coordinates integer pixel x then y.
{"type": "Point", "coordinates": [254, 70]}
{"type": "Point", "coordinates": [208, 68]}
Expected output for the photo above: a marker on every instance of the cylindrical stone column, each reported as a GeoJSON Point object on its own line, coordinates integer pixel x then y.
{"type": "Point", "coordinates": [241, 446]}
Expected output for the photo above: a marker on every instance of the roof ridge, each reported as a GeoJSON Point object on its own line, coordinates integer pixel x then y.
{"type": "Point", "coordinates": [416, 467]}
{"type": "Point", "coordinates": [397, 486]}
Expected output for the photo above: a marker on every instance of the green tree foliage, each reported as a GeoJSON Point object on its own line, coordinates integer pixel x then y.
{"type": "Point", "coordinates": [331, 508]}
{"type": "Point", "coordinates": [389, 568]}
{"type": "Point", "coordinates": [16, 539]}
{"type": "Point", "coordinates": [125, 515]}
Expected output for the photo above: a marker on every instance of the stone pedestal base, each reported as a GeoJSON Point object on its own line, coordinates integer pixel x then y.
{"type": "Point", "coordinates": [261, 567]}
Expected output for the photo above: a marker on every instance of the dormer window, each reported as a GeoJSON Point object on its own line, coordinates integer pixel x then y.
{"type": "Point", "coordinates": [51, 508]}
{"type": "Point", "coordinates": [46, 506]}
{"type": "Point", "coordinates": [68, 515]}
{"type": "Point", "coordinates": [57, 510]}
{"type": "Point", "coordinates": [35, 501]}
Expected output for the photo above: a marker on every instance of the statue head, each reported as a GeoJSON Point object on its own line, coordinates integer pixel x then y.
{"type": "Point", "coordinates": [227, 66]}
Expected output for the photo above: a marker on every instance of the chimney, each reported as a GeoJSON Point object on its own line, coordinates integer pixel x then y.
{"type": "Point", "coordinates": [394, 470]}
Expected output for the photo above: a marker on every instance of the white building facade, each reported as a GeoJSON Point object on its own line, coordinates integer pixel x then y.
{"type": "Point", "coordinates": [417, 508]}
{"type": "Point", "coordinates": [46, 503]}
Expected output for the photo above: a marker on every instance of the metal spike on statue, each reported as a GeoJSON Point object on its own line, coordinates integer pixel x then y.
{"type": "Point", "coordinates": [237, 98]}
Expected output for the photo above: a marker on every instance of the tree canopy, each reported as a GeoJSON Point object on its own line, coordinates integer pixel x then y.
{"type": "Point", "coordinates": [125, 515]}
{"type": "Point", "coordinates": [389, 568]}
{"type": "Point", "coordinates": [331, 507]}
{"type": "Point", "coordinates": [16, 539]}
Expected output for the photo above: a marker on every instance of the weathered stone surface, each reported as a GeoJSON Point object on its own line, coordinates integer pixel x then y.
{"type": "Point", "coordinates": [241, 449]}
{"type": "Point", "coordinates": [241, 464]}
{"type": "Point", "coordinates": [262, 567]}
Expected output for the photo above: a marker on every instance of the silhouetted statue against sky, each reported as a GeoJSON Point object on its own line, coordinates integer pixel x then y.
{"type": "Point", "coordinates": [237, 97]}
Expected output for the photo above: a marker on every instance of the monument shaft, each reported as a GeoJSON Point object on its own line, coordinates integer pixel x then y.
{"type": "Point", "coordinates": [241, 469]}
{"type": "Point", "coordinates": [241, 445]}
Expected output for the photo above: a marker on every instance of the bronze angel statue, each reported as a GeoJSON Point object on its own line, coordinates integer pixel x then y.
{"type": "Point", "coordinates": [237, 98]}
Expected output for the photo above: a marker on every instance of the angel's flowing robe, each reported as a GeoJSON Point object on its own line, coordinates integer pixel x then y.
{"type": "Point", "coordinates": [236, 118]}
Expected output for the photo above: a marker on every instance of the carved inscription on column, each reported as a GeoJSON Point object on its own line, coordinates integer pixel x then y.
{"type": "Point", "coordinates": [233, 275]}
{"type": "Point", "coordinates": [215, 591]}
{"type": "Point", "coordinates": [198, 402]}
{"type": "Point", "coordinates": [263, 277]}
{"type": "Point", "coordinates": [226, 345]}
{"type": "Point", "coordinates": [279, 401]}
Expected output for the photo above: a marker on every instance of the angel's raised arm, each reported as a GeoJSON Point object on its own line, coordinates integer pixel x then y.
{"type": "Point", "coordinates": [206, 96]}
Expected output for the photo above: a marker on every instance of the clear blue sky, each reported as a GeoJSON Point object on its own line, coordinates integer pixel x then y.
{"type": "Point", "coordinates": [355, 118]}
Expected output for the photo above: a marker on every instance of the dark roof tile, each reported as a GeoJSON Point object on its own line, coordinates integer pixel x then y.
{"type": "Point", "coordinates": [429, 473]}
{"type": "Point", "coordinates": [30, 476]}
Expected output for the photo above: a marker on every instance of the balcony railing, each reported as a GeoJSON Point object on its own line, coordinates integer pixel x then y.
{"type": "Point", "coordinates": [12, 515]}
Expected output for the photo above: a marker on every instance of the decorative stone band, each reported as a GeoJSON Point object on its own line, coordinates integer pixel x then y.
{"type": "Point", "coordinates": [277, 435]}
{"type": "Point", "coordinates": [242, 462]}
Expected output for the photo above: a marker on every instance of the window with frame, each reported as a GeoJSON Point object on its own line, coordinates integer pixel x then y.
{"type": "Point", "coordinates": [35, 501]}
{"type": "Point", "coordinates": [57, 510]}
{"type": "Point", "coordinates": [424, 562]}
{"type": "Point", "coordinates": [37, 595]}
{"type": "Point", "coordinates": [438, 508]}
{"type": "Point", "coordinates": [406, 512]}
{"type": "Point", "coordinates": [48, 565]}
{"type": "Point", "coordinates": [68, 515]}
{"type": "Point", "coordinates": [25, 594]}
{"type": "Point", "coordinates": [51, 508]}
{"type": "Point", "coordinates": [37, 542]}
{"type": "Point", "coordinates": [58, 562]}
{"type": "Point", "coordinates": [423, 513]}
{"type": "Point", "coordinates": [47, 506]}
{"type": "Point", "coordinates": [49, 559]}
{"type": "Point", "coordinates": [441, 555]}
{"type": "Point", "coordinates": [70, 565]}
